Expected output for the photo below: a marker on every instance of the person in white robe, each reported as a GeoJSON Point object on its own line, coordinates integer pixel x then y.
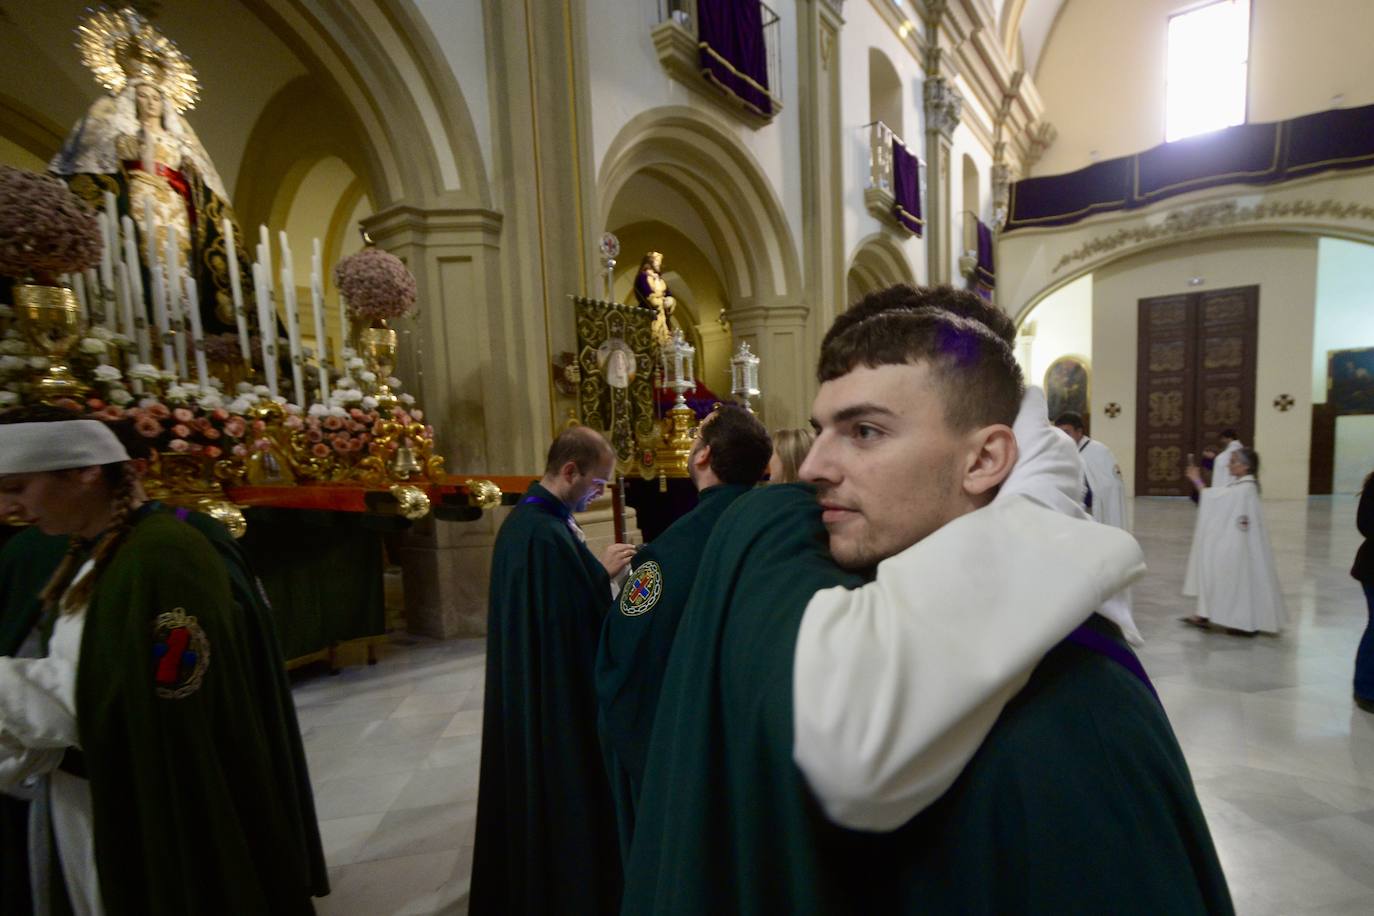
{"type": "Point", "coordinates": [1221, 463]}
{"type": "Point", "coordinates": [1105, 491]}
{"type": "Point", "coordinates": [1231, 566]}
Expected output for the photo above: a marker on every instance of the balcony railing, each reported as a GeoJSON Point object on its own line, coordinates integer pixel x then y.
{"type": "Point", "coordinates": [879, 193]}
{"type": "Point", "coordinates": [676, 38]}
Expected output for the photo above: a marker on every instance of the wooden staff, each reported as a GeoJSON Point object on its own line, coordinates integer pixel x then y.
{"type": "Point", "coordinates": [618, 508]}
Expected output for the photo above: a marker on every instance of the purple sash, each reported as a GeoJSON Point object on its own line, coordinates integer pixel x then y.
{"type": "Point", "coordinates": [1094, 641]}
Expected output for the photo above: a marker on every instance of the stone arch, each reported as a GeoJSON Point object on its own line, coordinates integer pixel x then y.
{"type": "Point", "coordinates": [884, 91]}
{"type": "Point", "coordinates": [701, 160]}
{"type": "Point", "coordinates": [878, 263]}
{"type": "Point", "coordinates": [1349, 230]}
{"type": "Point", "coordinates": [402, 98]}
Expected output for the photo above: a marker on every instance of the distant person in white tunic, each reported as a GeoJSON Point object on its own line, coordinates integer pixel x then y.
{"type": "Point", "coordinates": [1221, 461]}
{"type": "Point", "coordinates": [1231, 567]}
{"type": "Point", "coordinates": [1105, 493]}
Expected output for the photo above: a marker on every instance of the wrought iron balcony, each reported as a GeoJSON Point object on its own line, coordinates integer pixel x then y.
{"type": "Point", "coordinates": [699, 66]}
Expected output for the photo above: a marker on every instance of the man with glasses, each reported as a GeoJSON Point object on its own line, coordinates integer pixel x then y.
{"type": "Point", "coordinates": [546, 837]}
{"type": "Point", "coordinates": [730, 455]}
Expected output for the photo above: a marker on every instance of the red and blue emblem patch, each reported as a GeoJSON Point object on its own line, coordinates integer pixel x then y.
{"type": "Point", "coordinates": [642, 591]}
{"type": "Point", "coordinates": [181, 654]}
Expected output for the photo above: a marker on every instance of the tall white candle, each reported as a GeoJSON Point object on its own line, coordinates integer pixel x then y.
{"type": "Point", "coordinates": [164, 331]}
{"type": "Point", "coordinates": [139, 329]}
{"type": "Point", "coordinates": [236, 289]}
{"type": "Point", "coordinates": [267, 327]}
{"type": "Point", "coordinates": [197, 332]}
{"type": "Point", "coordinates": [293, 329]}
{"type": "Point", "coordinates": [126, 301]}
{"type": "Point", "coordinates": [149, 234]}
{"type": "Point", "coordinates": [317, 310]}
{"type": "Point", "coordinates": [265, 256]}
{"type": "Point", "coordinates": [176, 311]}
{"type": "Point", "coordinates": [78, 284]}
{"type": "Point", "coordinates": [108, 235]}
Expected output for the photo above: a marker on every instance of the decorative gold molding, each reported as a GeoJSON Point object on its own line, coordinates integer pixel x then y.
{"type": "Point", "coordinates": [1182, 223]}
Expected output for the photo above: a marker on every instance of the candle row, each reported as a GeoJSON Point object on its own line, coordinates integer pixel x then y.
{"type": "Point", "coordinates": [113, 297]}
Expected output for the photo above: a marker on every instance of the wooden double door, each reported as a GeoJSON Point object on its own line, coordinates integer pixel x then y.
{"type": "Point", "coordinates": [1195, 377]}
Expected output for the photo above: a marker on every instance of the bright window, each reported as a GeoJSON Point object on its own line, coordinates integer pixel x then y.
{"type": "Point", "coordinates": [1209, 50]}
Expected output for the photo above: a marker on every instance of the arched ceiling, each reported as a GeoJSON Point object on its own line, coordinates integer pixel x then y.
{"type": "Point", "coordinates": [1033, 20]}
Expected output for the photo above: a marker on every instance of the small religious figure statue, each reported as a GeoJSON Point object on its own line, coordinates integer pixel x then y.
{"type": "Point", "coordinates": [651, 291]}
{"type": "Point", "coordinates": [135, 144]}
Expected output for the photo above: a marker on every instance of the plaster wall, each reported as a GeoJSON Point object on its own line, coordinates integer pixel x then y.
{"type": "Point", "coordinates": [626, 78]}
{"type": "Point", "coordinates": [458, 29]}
{"type": "Point", "coordinates": [1345, 306]}
{"type": "Point", "coordinates": [1102, 71]}
{"type": "Point", "coordinates": [1285, 269]}
{"type": "Point", "coordinates": [1354, 453]}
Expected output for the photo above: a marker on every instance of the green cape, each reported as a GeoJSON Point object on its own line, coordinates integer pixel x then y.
{"type": "Point", "coordinates": [195, 809]}
{"type": "Point", "coordinates": [546, 838]}
{"type": "Point", "coordinates": [636, 639]}
{"type": "Point", "coordinates": [1078, 802]}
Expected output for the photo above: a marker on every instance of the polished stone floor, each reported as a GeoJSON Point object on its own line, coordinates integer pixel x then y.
{"type": "Point", "coordinates": [1284, 763]}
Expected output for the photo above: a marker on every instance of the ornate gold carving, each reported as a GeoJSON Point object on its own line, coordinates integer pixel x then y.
{"type": "Point", "coordinates": [1167, 356]}
{"type": "Point", "coordinates": [1229, 308]}
{"type": "Point", "coordinates": [1162, 464]}
{"type": "Point", "coordinates": [411, 502]}
{"type": "Point", "coordinates": [1168, 313]}
{"type": "Point", "coordinates": [1222, 353]}
{"type": "Point", "coordinates": [1221, 406]}
{"type": "Point", "coordinates": [1166, 409]}
{"type": "Point", "coordinates": [1182, 223]}
{"type": "Point", "coordinates": [483, 493]}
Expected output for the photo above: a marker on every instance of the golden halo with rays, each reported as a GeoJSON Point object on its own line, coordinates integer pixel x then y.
{"type": "Point", "coordinates": [120, 45]}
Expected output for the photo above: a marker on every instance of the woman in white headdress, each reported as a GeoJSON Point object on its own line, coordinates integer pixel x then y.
{"type": "Point", "coordinates": [135, 144]}
{"type": "Point", "coordinates": [1231, 568]}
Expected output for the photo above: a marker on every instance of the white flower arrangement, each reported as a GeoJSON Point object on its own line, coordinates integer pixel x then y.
{"type": "Point", "coordinates": [367, 377]}
{"type": "Point", "coordinates": [337, 411]}
{"type": "Point", "coordinates": [346, 381]}
{"type": "Point", "coordinates": [369, 403]}
{"type": "Point", "coordinates": [101, 332]}
{"type": "Point", "coordinates": [120, 396]}
{"type": "Point", "coordinates": [92, 346]}
{"type": "Point", "coordinates": [210, 400]}
{"type": "Point", "coordinates": [123, 341]}
{"type": "Point", "coordinates": [349, 353]}
{"type": "Point", "coordinates": [144, 372]}
{"type": "Point", "coordinates": [407, 399]}
{"type": "Point", "coordinates": [12, 346]}
{"type": "Point", "coordinates": [262, 391]}
{"type": "Point", "coordinates": [318, 410]}
{"type": "Point", "coordinates": [393, 382]}
{"type": "Point", "coordinates": [38, 362]}
{"type": "Point", "coordinates": [350, 395]}
{"type": "Point", "coordinates": [354, 362]}
{"type": "Point", "coordinates": [239, 405]}
{"type": "Point", "coordinates": [243, 387]}
{"type": "Point", "coordinates": [178, 393]}
{"type": "Point", "coordinates": [293, 409]}
{"type": "Point", "coordinates": [107, 374]}
{"type": "Point", "coordinates": [12, 363]}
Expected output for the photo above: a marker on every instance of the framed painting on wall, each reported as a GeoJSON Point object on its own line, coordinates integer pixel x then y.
{"type": "Point", "coordinates": [1350, 380]}
{"type": "Point", "coordinates": [1066, 388]}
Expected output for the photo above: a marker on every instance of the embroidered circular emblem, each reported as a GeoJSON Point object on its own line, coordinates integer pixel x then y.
{"type": "Point", "coordinates": [1243, 523]}
{"type": "Point", "coordinates": [642, 591]}
{"type": "Point", "coordinates": [181, 653]}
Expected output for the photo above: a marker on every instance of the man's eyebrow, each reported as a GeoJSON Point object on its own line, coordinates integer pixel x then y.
{"type": "Point", "coordinates": [855, 412]}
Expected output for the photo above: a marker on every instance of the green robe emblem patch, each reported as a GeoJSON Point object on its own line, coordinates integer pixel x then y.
{"type": "Point", "coordinates": [643, 590]}
{"type": "Point", "coordinates": [181, 653]}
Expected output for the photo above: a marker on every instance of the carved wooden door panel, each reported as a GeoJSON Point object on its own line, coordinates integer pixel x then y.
{"type": "Point", "coordinates": [1195, 377]}
{"type": "Point", "coordinates": [1166, 385]}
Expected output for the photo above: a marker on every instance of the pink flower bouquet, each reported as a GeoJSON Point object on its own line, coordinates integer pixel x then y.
{"type": "Point", "coordinates": [375, 285]}
{"type": "Point", "coordinates": [45, 229]}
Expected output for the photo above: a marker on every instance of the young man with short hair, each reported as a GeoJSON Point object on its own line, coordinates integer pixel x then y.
{"type": "Point", "coordinates": [1078, 800]}
{"type": "Point", "coordinates": [1104, 491]}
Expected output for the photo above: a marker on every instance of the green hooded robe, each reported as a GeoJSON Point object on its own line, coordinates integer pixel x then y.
{"type": "Point", "coordinates": [1079, 800]}
{"type": "Point", "coordinates": [636, 639]}
{"type": "Point", "coordinates": [546, 839]}
{"type": "Point", "coordinates": [195, 783]}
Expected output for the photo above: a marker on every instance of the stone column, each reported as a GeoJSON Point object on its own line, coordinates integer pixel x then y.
{"type": "Point", "coordinates": [944, 105]}
{"type": "Point", "coordinates": [778, 336]}
{"type": "Point", "coordinates": [823, 254]}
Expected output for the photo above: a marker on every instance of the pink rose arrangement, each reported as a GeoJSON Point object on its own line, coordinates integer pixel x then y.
{"type": "Point", "coordinates": [188, 429]}
{"type": "Point", "coordinates": [375, 285]}
{"type": "Point", "coordinates": [347, 437]}
{"type": "Point", "coordinates": [45, 229]}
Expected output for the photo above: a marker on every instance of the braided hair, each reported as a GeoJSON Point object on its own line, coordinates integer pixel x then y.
{"type": "Point", "coordinates": [122, 479]}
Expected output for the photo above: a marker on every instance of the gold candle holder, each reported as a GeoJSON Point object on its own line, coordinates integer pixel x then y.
{"type": "Point", "coordinates": [51, 322]}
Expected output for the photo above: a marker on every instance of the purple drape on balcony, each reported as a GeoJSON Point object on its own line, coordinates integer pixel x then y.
{"type": "Point", "coordinates": [733, 54]}
{"type": "Point", "coordinates": [985, 274]}
{"type": "Point", "coordinates": [906, 188]}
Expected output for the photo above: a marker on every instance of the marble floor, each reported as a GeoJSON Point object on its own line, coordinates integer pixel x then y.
{"type": "Point", "coordinates": [1284, 763]}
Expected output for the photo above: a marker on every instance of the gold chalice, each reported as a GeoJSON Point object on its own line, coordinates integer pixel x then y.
{"type": "Point", "coordinates": [377, 347]}
{"type": "Point", "coordinates": [51, 321]}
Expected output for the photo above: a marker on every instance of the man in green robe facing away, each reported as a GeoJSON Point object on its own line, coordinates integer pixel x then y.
{"type": "Point", "coordinates": [1077, 801]}
{"type": "Point", "coordinates": [546, 838]}
{"type": "Point", "coordinates": [729, 457]}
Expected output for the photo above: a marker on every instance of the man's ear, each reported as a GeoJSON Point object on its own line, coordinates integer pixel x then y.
{"type": "Point", "coordinates": [992, 455]}
{"type": "Point", "coordinates": [702, 461]}
{"type": "Point", "coordinates": [568, 472]}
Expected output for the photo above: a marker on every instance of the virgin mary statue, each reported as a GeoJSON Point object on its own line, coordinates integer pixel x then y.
{"type": "Point", "coordinates": [134, 143]}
